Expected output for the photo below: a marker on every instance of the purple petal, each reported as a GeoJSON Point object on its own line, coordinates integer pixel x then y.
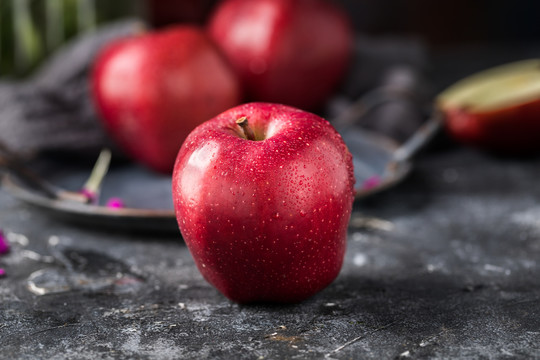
{"type": "Point", "coordinates": [4, 245]}
{"type": "Point", "coordinates": [90, 195]}
{"type": "Point", "coordinates": [371, 182]}
{"type": "Point", "coordinates": [115, 203]}
{"type": "Point", "coordinates": [2, 272]}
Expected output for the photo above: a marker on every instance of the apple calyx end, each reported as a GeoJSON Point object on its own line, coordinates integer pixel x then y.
{"type": "Point", "coordinates": [246, 129]}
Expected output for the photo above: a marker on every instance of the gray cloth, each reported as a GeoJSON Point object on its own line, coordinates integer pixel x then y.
{"type": "Point", "coordinates": [52, 110]}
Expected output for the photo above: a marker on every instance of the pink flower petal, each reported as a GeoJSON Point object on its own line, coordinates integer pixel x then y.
{"type": "Point", "coordinates": [2, 272]}
{"type": "Point", "coordinates": [4, 245]}
{"type": "Point", "coordinates": [371, 182]}
{"type": "Point", "coordinates": [115, 203]}
{"type": "Point", "coordinates": [91, 196]}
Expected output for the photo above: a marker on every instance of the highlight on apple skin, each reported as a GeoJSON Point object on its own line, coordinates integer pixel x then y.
{"type": "Point", "coordinates": [265, 215]}
{"type": "Point", "coordinates": [153, 89]}
{"type": "Point", "coordinates": [497, 109]}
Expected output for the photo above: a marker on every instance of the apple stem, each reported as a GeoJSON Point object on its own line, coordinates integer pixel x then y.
{"type": "Point", "coordinates": [248, 131]}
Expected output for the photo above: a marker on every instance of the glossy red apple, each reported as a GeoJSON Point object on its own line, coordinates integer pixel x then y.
{"type": "Point", "coordinates": [265, 215]}
{"type": "Point", "coordinates": [152, 90]}
{"type": "Point", "coordinates": [497, 109]}
{"type": "Point", "coordinates": [293, 52]}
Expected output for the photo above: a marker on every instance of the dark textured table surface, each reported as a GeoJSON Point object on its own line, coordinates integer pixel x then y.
{"type": "Point", "coordinates": [448, 270]}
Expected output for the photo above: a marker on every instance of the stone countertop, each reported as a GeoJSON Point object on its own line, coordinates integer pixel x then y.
{"type": "Point", "coordinates": [447, 268]}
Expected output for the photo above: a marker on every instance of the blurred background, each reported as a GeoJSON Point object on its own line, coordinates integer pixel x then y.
{"type": "Point", "coordinates": [32, 29]}
{"type": "Point", "coordinates": [443, 23]}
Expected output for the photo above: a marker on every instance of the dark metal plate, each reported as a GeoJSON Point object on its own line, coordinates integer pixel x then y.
{"type": "Point", "coordinates": [147, 195]}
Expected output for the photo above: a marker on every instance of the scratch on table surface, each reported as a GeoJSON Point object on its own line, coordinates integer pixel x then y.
{"type": "Point", "coordinates": [277, 336]}
{"type": "Point", "coordinates": [32, 255]}
{"type": "Point", "coordinates": [423, 343]}
{"type": "Point", "coordinates": [350, 342]}
{"type": "Point", "coordinates": [53, 328]}
{"type": "Point", "coordinates": [522, 301]}
{"type": "Point", "coordinates": [284, 338]}
{"type": "Point", "coordinates": [506, 352]}
{"type": "Point", "coordinates": [19, 239]}
{"type": "Point", "coordinates": [429, 340]}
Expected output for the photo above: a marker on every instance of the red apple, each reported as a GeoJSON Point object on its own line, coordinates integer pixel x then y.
{"type": "Point", "coordinates": [293, 52]}
{"type": "Point", "coordinates": [265, 219]}
{"type": "Point", "coordinates": [497, 109]}
{"type": "Point", "coordinates": [153, 89]}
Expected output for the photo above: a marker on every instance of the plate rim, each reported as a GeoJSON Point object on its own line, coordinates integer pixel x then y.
{"type": "Point", "coordinates": [89, 212]}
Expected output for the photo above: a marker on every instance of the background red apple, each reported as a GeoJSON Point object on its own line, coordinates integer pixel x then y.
{"type": "Point", "coordinates": [265, 219]}
{"type": "Point", "coordinates": [497, 109]}
{"type": "Point", "coordinates": [152, 90]}
{"type": "Point", "coordinates": [292, 52]}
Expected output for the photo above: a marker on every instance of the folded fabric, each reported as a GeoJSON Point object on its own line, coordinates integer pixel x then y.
{"type": "Point", "coordinates": [52, 109]}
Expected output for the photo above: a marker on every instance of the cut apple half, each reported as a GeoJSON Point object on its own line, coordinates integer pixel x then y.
{"type": "Point", "coordinates": [498, 109]}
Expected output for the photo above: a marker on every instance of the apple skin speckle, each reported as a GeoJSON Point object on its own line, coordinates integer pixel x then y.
{"type": "Point", "coordinates": [265, 221]}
